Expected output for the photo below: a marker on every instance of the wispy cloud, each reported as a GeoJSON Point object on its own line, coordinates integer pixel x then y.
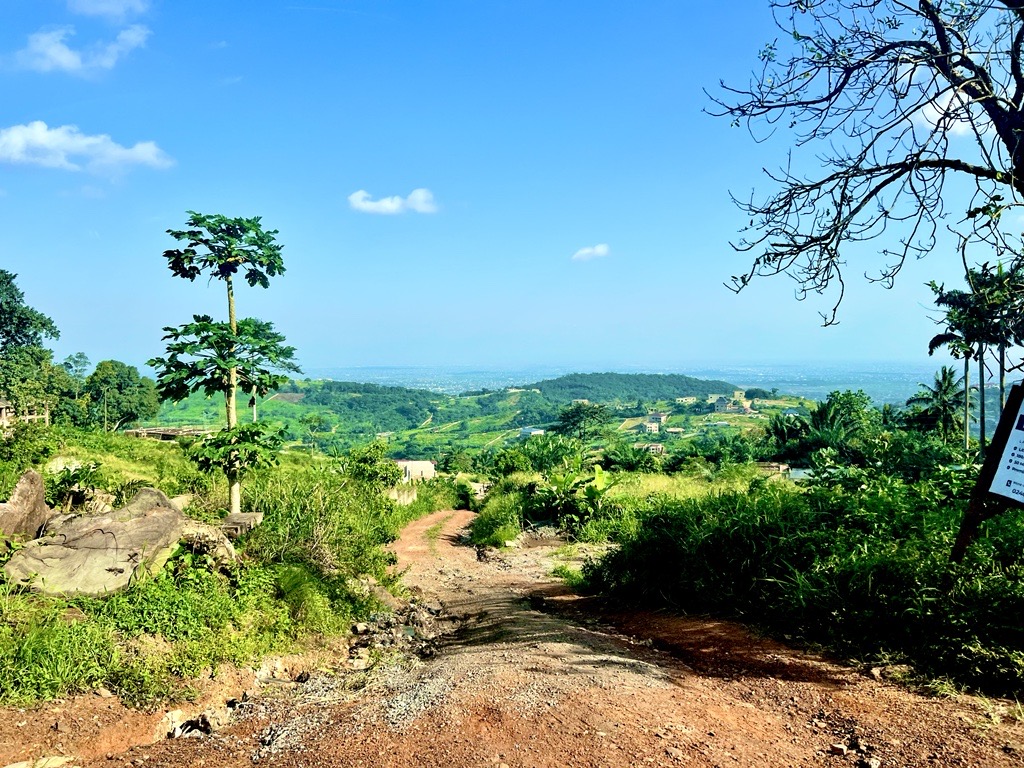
{"type": "Point", "coordinates": [69, 149]}
{"type": "Point", "coordinates": [419, 201]}
{"type": "Point", "coordinates": [591, 252]}
{"type": "Point", "coordinates": [47, 51]}
{"type": "Point", "coordinates": [112, 9]}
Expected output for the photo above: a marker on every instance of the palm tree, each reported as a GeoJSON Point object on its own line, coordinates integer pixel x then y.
{"type": "Point", "coordinates": [961, 350]}
{"type": "Point", "coordinates": [998, 292]}
{"type": "Point", "coordinates": [966, 338]}
{"type": "Point", "coordinates": [941, 403]}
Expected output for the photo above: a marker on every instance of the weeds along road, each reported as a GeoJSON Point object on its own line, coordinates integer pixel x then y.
{"type": "Point", "coordinates": [533, 676]}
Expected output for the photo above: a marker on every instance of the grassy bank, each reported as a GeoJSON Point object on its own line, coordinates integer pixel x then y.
{"type": "Point", "coordinates": [310, 569]}
{"type": "Point", "coordinates": [858, 564]}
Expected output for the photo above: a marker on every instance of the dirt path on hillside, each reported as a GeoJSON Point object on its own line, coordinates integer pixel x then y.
{"type": "Point", "coordinates": [533, 676]}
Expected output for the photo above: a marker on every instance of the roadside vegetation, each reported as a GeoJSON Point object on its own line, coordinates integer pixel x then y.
{"type": "Point", "coordinates": [315, 564]}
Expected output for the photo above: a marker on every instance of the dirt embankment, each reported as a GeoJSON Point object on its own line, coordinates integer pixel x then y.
{"type": "Point", "coordinates": [535, 677]}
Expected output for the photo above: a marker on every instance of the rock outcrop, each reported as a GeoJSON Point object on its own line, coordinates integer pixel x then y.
{"type": "Point", "coordinates": [100, 554]}
{"type": "Point", "coordinates": [25, 513]}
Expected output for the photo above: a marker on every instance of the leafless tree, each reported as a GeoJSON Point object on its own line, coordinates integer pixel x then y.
{"type": "Point", "coordinates": [899, 99]}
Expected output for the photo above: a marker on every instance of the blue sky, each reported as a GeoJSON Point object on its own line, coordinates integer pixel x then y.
{"type": "Point", "coordinates": [459, 182]}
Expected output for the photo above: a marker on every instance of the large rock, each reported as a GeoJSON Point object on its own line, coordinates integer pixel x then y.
{"type": "Point", "coordinates": [100, 554]}
{"type": "Point", "coordinates": [25, 513]}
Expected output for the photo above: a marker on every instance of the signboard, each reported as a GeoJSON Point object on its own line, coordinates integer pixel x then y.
{"type": "Point", "coordinates": [1002, 475]}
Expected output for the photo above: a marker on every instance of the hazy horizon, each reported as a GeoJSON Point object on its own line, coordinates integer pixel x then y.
{"type": "Point", "coordinates": [515, 185]}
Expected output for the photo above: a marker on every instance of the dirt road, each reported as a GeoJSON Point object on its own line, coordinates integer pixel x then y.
{"type": "Point", "coordinates": [536, 677]}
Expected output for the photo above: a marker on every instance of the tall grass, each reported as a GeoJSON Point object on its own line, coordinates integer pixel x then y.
{"type": "Point", "coordinates": [863, 569]}
{"type": "Point", "coordinates": [308, 569]}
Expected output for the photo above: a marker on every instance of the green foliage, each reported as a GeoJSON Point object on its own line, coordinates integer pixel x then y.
{"type": "Point", "coordinates": [500, 520]}
{"type": "Point", "coordinates": [834, 564]}
{"type": "Point", "coordinates": [623, 457]}
{"type": "Point", "coordinates": [510, 460]}
{"type": "Point", "coordinates": [237, 451]}
{"type": "Point", "coordinates": [222, 246]}
{"type": "Point", "coordinates": [49, 657]}
{"type": "Point", "coordinates": [938, 405]}
{"type": "Point", "coordinates": [581, 420]}
{"type": "Point", "coordinates": [546, 452]}
{"type": "Point", "coordinates": [623, 387]}
{"type": "Point", "coordinates": [438, 493]}
{"type": "Point", "coordinates": [718, 448]}
{"type": "Point", "coordinates": [369, 464]}
{"type": "Point", "coordinates": [30, 380]}
{"type": "Point", "coordinates": [20, 325]}
{"type": "Point", "coordinates": [68, 487]}
{"type": "Point", "coordinates": [331, 524]}
{"type": "Point", "coordinates": [27, 445]}
{"type": "Point", "coordinates": [119, 396]}
{"type": "Point", "coordinates": [201, 355]}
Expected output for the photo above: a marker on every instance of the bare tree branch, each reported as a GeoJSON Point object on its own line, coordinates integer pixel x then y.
{"type": "Point", "coordinates": [901, 97]}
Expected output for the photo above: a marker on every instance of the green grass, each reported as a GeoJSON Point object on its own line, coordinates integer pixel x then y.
{"type": "Point", "coordinates": [861, 568]}
{"type": "Point", "coordinates": [302, 574]}
{"type": "Point", "coordinates": [433, 533]}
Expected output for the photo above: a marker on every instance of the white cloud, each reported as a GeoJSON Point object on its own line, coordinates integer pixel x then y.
{"type": "Point", "coordinates": [47, 51]}
{"type": "Point", "coordinates": [591, 252]}
{"type": "Point", "coordinates": [69, 149]}
{"type": "Point", "coordinates": [113, 9]}
{"type": "Point", "coordinates": [419, 200]}
{"type": "Point", "coordinates": [948, 112]}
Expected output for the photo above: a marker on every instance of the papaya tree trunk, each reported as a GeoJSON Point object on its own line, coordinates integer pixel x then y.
{"type": "Point", "coordinates": [234, 487]}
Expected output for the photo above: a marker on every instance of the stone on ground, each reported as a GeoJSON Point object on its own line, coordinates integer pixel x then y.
{"type": "Point", "coordinates": [24, 514]}
{"type": "Point", "coordinates": [100, 554]}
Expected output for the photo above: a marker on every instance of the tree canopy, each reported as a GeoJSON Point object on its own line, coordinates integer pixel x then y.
{"type": "Point", "coordinates": [119, 395]}
{"type": "Point", "coordinates": [20, 325]}
{"type": "Point", "coordinates": [898, 99]}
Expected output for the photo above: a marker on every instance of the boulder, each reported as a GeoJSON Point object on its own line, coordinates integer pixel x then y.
{"type": "Point", "coordinates": [25, 513]}
{"type": "Point", "coordinates": [205, 539]}
{"type": "Point", "coordinates": [240, 523]}
{"type": "Point", "coordinates": [100, 554]}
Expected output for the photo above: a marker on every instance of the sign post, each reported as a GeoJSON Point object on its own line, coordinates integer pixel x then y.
{"type": "Point", "coordinates": [1001, 481]}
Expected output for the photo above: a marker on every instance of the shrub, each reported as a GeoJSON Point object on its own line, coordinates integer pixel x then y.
{"type": "Point", "coordinates": [500, 520]}
{"type": "Point", "coordinates": [859, 563]}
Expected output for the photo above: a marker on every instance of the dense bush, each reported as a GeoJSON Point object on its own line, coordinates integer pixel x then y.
{"type": "Point", "coordinates": [859, 563]}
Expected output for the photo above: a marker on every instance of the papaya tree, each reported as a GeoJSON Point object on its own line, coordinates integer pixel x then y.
{"type": "Point", "coordinates": [218, 357]}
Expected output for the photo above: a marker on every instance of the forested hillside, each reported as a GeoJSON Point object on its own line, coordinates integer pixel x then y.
{"type": "Point", "coordinates": [627, 387]}
{"type": "Point", "coordinates": [421, 423]}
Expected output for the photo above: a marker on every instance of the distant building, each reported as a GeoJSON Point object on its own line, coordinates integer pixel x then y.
{"type": "Point", "coordinates": [773, 468]}
{"type": "Point", "coordinates": [581, 401]}
{"type": "Point", "coordinates": [660, 418]}
{"type": "Point", "coordinates": [648, 426]}
{"type": "Point", "coordinates": [656, 449]}
{"type": "Point", "coordinates": [8, 414]}
{"type": "Point", "coordinates": [416, 470]}
{"type": "Point", "coordinates": [686, 400]}
{"type": "Point", "coordinates": [739, 394]}
{"type": "Point", "coordinates": [675, 430]}
{"type": "Point", "coordinates": [530, 432]}
{"type": "Point", "coordinates": [722, 404]}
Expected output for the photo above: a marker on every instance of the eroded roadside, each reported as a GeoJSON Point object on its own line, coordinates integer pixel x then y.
{"type": "Point", "coordinates": [514, 671]}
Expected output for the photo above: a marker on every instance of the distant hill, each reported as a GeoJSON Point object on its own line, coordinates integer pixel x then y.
{"type": "Point", "coordinates": [627, 387]}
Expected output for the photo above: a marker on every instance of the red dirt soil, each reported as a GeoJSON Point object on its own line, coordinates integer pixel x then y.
{"type": "Point", "coordinates": [535, 676]}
